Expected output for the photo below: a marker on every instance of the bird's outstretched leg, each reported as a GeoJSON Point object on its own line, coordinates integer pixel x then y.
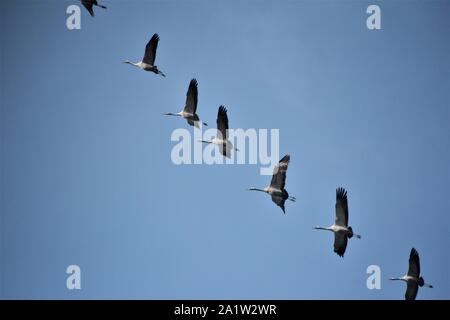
{"type": "Point", "coordinates": [101, 6]}
{"type": "Point", "coordinates": [293, 199]}
{"type": "Point", "coordinates": [161, 73]}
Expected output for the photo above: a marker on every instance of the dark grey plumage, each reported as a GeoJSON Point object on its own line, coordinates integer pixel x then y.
{"type": "Point", "coordinates": [89, 5]}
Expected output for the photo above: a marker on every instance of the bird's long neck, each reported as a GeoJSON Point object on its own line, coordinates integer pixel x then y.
{"type": "Point", "coordinates": [323, 228]}
{"type": "Point", "coordinates": [172, 114]}
{"type": "Point", "coordinates": [133, 64]}
{"type": "Point", "coordinates": [257, 189]}
{"type": "Point", "coordinates": [397, 279]}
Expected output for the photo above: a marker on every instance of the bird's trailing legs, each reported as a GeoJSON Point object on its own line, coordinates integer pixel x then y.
{"type": "Point", "coordinates": [161, 73]}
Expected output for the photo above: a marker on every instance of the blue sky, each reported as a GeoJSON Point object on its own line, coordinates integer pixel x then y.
{"type": "Point", "coordinates": [86, 176]}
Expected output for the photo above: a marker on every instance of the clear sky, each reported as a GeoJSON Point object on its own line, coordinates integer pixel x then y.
{"type": "Point", "coordinates": [86, 174]}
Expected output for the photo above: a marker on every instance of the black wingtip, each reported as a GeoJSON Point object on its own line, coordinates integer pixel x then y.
{"type": "Point", "coordinates": [286, 158]}
{"type": "Point", "coordinates": [222, 110]}
{"type": "Point", "coordinates": [341, 193]}
{"type": "Point", "coordinates": [193, 83]}
{"type": "Point", "coordinates": [155, 37]}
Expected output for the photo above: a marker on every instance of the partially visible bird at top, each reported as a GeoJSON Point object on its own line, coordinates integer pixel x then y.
{"type": "Point", "coordinates": [190, 107]}
{"type": "Point", "coordinates": [221, 140]}
{"type": "Point", "coordinates": [340, 228]}
{"type": "Point", "coordinates": [276, 188]}
{"type": "Point", "coordinates": [148, 62]}
{"type": "Point", "coordinates": [412, 278]}
{"type": "Point", "coordinates": [89, 4]}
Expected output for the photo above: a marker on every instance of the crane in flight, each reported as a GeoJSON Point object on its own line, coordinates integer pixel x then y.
{"type": "Point", "coordinates": [148, 62]}
{"type": "Point", "coordinates": [190, 107]}
{"type": "Point", "coordinates": [412, 278]}
{"type": "Point", "coordinates": [340, 228]}
{"type": "Point", "coordinates": [276, 188]}
{"type": "Point", "coordinates": [221, 140]}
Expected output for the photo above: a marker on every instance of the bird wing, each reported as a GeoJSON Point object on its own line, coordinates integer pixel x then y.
{"type": "Point", "coordinates": [191, 97]}
{"type": "Point", "coordinates": [225, 150]}
{"type": "Point", "coordinates": [89, 6]}
{"type": "Point", "coordinates": [341, 207]}
{"type": "Point", "coordinates": [411, 290]}
{"type": "Point", "coordinates": [150, 50]}
{"type": "Point", "coordinates": [279, 201]}
{"type": "Point", "coordinates": [194, 121]}
{"type": "Point", "coordinates": [414, 264]}
{"type": "Point", "coordinates": [279, 173]}
{"type": "Point", "coordinates": [222, 122]}
{"type": "Point", "coordinates": [340, 243]}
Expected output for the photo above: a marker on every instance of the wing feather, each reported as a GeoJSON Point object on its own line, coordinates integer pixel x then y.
{"type": "Point", "coordinates": [222, 123]}
{"type": "Point", "coordinates": [150, 50]}
{"type": "Point", "coordinates": [279, 173]}
{"type": "Point", "coordinates": [414, 264]}
{"type": "Point", "coordinates": [411, 290]}
{"type": "Point", "coordinates": [279, 201]}
{"type": "Point", "coordinates": [340, 243]}
{"type": "Point", "coordinates": [192, 97]}
{"type": "Point", "coordinates": [88, 4]}
{"type": "Point", "coordinates": [341, 207]}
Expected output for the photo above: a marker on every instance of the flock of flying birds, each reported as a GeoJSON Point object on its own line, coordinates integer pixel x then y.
{"type": "Point", "coordinates": [341, 230]}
